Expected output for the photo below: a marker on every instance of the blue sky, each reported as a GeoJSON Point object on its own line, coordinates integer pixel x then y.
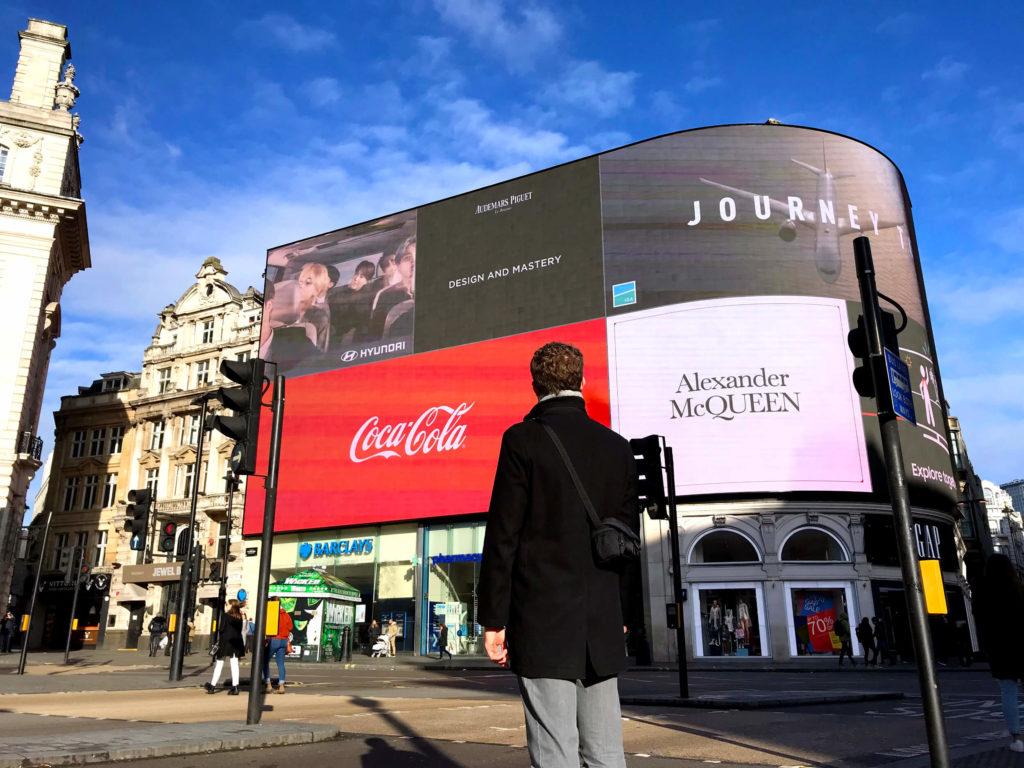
{"type": "Point", "coordinates": [221, 129]}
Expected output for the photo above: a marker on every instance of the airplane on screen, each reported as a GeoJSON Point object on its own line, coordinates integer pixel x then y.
{"type": "Point", "coordinates": [827, 229]}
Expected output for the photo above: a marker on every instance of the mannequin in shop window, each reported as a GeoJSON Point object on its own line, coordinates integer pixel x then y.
{"type": "Point", "coordinates": [743, 616]}
{"type": "Point", "coordinates": [715, 615]}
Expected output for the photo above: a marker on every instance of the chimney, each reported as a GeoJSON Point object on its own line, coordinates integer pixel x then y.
{"type": "Point", "coordinates": [44, 49]}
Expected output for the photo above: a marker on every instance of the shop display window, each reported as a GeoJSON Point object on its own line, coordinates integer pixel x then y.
{"type": "Point", "coordinates": [730, 622]}
{"type": "Point", "coordinates": [452, 560]}
{"type": "Point", "coordinates": [813, 545]}
{"type": "Point", "coordinates": [815, 613]}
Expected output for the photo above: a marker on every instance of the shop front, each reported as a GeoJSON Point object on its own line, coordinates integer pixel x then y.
{"type": "Point", "coordinates": [322, 608]}
{"type": "Point", "coordinates": [451, 574]}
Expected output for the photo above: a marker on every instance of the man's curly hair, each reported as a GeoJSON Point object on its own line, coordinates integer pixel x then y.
{"type": "Point", "coordinates": [556, 367]}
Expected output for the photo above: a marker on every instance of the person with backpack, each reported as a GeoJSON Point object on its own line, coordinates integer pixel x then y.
{"type": "Point", "coordinates": [867, 640]}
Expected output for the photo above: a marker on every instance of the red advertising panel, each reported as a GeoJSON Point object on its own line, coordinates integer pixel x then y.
{"type": "Point", "coordinates": [412, 437]}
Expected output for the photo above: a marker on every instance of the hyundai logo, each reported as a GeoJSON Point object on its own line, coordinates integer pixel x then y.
{"type": "Point", "coordinates": [349, 356]}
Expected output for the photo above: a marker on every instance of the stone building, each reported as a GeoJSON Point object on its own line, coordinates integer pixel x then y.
{"type": "Point", "coordinates": [141, 430]}
{"type": "Point", "coordinates": [44, 240]}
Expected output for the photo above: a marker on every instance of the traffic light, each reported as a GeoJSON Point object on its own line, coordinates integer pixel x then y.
{"type": "Point", "coordinates": [83, 572]}
{"type": "Point", "coordinates": [857, 339]}
{"type": "Point", "coordinates": [215, 572]}
{"type": "Point", "coordinates": [245, 400]}
{"type": "Point", "coordinates": [650, 484]}
{"type": "Point", "coordinates": [137, 522]}
{"type": "Point", "coordinates": [168, 529]}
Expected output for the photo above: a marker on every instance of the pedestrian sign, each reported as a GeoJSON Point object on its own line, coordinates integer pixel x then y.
{"type": "Point", "coordinates": [899, 386]}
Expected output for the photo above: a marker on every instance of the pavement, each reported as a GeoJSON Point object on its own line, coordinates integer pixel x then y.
{"type": "Point", "coordinates": [133, 733]}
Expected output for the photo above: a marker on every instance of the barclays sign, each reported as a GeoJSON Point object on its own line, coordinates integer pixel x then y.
{"type": "Point", "coordinates": [335, 548]}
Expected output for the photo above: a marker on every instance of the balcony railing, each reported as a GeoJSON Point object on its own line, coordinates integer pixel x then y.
{"type": "Point", "coordinates": [30, 444]}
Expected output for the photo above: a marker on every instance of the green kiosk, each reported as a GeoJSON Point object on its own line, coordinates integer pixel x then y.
{"type": "Point", "coordinates": [321, 607]}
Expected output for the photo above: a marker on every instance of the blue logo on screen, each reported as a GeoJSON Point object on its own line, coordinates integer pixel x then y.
{"type": "Point", "coordinates": [624, 293]}
{"type": "Point", "coordinates": [305, 550]}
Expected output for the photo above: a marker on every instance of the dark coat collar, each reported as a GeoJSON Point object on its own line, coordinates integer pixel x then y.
{"type": "Point", "coordinates": [569, 401]}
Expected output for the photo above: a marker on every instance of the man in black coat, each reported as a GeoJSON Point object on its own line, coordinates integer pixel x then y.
{"type": "Point", "coordinates": [549, 612]}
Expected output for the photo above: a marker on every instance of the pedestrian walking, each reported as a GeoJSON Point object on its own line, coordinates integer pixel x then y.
{"type": "Point", "coordinates": [392, 635]}
{"type": "Point", "coordinates": [250, 633]}
{"type": "Point", "coordinates": [845, 644]}
{"type": "Point", "coordinates": [867, 640]}
{"type": "Point", "coordinates": [157, 628]}
{"type": "Point", "coordinates": [230, 645]}
{"type": "Point", "coordinates": [881, 640]}
{"type": "Point", "coordinates": [442, 642]}
{"type": "Point", "coordinates": [277, 646]}
{"type": "Point", "coordinates": [1000, 612]}
{"type": "Point", "coordinates": [372, 635]}
{"type": "Point", "coordinates": [549, 611]}
{"type": "Point", "coordinates": [8, 626]}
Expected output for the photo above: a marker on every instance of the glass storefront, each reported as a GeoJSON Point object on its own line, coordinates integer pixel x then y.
{"type": "Point", "coordinates": [815, 607]}
{"type": "Point", "coordinates": [451, 558]}
{"type": "Point", "coordinates": [729, 618]}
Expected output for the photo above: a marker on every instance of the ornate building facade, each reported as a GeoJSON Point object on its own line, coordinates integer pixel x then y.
{"type": "Point", "coordinates": [44, 240]}
{"type": "Point", "coordinates": [141, 430]}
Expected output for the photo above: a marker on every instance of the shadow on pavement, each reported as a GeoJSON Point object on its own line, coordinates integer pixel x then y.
{"type": "Point", "coordinates": [381, 754]}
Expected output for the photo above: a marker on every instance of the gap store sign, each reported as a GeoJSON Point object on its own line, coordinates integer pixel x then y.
{"type": "Point", "coordinates": [335, 549]}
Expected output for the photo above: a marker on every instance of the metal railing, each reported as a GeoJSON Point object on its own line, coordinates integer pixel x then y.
{"type": "Point", "coordinates": [30, 444]}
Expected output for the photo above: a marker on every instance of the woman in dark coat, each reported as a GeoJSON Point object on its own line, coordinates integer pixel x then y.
{"type": "Point", "coordinates": [231, 645]}
{"type": "Point", "coordinates": [1000, 613]}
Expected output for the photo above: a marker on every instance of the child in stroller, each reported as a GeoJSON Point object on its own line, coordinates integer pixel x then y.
{"type": "Point", "coordinates": [382, 647]}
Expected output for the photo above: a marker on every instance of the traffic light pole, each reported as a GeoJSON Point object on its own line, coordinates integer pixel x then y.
{"type": "Point", "coordinates": [185, 584]}
{"type": "Point", "coordinates": [80, 551]}
{"type": "Point", "coordinates": [889, 426]}
{"type": "Point", "coordinates": [259, 650]}
{"type": "Point", "coordinates": [677, 578]}
{"type": "Point", "coordinates": [222, 593]}
{"type": "Point", "coordinates": [35, 591]}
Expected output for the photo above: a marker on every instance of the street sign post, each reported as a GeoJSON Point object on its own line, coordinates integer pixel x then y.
{"type": "Point", "coordinates": [898, 375]}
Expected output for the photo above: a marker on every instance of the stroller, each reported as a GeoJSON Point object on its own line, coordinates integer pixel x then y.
{"type": "Point", "coordinates": [382, 647]}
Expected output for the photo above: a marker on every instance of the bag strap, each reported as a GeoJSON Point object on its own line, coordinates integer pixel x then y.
{"type": "Point", "coordinates": [594, 519]}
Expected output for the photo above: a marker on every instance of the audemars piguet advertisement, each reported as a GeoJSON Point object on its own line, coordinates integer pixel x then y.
{"type": "Point", "coordinates": [716, 268]}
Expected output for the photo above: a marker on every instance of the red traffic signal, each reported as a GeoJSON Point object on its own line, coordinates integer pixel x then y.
{"type": "Point", "coordinates": [168, 531]}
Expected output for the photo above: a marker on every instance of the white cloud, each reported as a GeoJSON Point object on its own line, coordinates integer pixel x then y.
{"type": "Point", "coordinates": [519, 41]}
{"type": "Point", "coordinates": [698, 83]}
{"type": "Point", "coordinates": [323, 91]}
{"type": "Point", "coordinates": [588, 85]}
{"type": "Point", "coordinates": [948, 70]}
{"type": "Point", "coordinates": [900, 25]}
{"type": "Point", "coordinates": [288, 33]}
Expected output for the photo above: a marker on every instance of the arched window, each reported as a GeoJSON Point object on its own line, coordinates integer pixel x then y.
{"type": "Point", "coordinates": [813, 544]}
{"type": "Point", "coordinates": [723, 546]}
{"type": "Point", "coordinates": [181, 550]}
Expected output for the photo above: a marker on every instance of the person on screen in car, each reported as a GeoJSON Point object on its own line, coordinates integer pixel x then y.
{"type": "Point", "coordinates": [350, 307]}
{"type": "Point", "coordinates": [404, 291]}
{"type": "Point", "coordinates": [282, 339]}
{"type": "Point", "coordinates": [387, 273]}
{"type": "Point", "coordinates": [313, 284]}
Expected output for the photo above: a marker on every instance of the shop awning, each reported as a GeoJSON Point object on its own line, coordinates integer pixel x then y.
{"type": "Point", "coordinates": [313, 583]}
{"type": "Point", "coordinates": [131, 593]}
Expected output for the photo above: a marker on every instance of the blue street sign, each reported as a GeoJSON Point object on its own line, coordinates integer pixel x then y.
{"type": "Point", "coordinates": [136, 543]}
{"type": "Point", "coordinates": [241, 594]}
{"type": "Point", "coordinates": [899, 386]}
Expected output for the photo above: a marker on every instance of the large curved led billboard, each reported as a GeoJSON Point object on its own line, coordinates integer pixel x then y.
{"type": "Point", "coordinates": [708, 276]}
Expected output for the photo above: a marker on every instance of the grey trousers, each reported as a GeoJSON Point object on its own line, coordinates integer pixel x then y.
{"type": "Point", "coordinates": [573, 721]}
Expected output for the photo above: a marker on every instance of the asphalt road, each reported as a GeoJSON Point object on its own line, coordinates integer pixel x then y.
{"type": "Point", "coordinates": [396, 714]}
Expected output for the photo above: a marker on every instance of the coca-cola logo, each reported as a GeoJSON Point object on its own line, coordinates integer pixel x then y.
{"type": "Point", "coordinates": [436, 429]}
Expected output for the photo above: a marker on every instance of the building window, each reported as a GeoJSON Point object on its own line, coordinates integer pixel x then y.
{"type": "Point", "coordinates": [113, 385]}
{"type": "Point", "coordinates": [163, 380]}
{"type": "Point", "coordinates": [815, 545]}
{"type": "Point", "coordinates": [187, 474]}
{"type": "Point", "coordinates": [156, 439]}
{"type": "Point", "coordinates": [152, 478]}
{"type": "Point", "coordinates": [202, 373]}
{"type": "Point", "coordinates": [96, 443]}
{"type": "Point", "coordinates": [815, 609]}
{"type": "Point", "coordinates": [3, 161]}
{"type": "Point", "coordinates": [116, 439]}
{"type": "Point", "coordinates": [207, 332]}
{"type": "Point", "coordinates": [723, 546]}
{"type": "Point", "coordinates": [110, 490]}
{"type": "Point", "coordinates": [78, 445]}
{"type": "Point", "coordinates": [728, 618]}
{"type": "Point", "coordinates": [99, 554]}
{"type": "Point", "coordinates": [243, 357]}
{"type": "Point", "coordinates": [70, 493]}
{"type": "Point", "coordinates": [92, 484]}
{"type": "Point", "coordinates": [181, 550]}
{"type": "Point", "coordinates": [223, 539]}
{"type": "Point", "coordinates": [82, 541]}
{"type": "Point", "coordinates": [193, 430]}
{"type": "Point", "coordinates": [60, 551]}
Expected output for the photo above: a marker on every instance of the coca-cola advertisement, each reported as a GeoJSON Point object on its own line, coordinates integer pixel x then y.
{"type": "Point", "coordinates": [413, 437]}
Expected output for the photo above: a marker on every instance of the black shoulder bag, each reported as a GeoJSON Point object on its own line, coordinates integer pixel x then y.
{"type": "Point", "coordinates": [614, 542]}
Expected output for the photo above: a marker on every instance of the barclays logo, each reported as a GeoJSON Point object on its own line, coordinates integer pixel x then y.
{"type": "Point", "coordinates": [335, 548]}
{"type": "Point", "coordinates": [305, 550]}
